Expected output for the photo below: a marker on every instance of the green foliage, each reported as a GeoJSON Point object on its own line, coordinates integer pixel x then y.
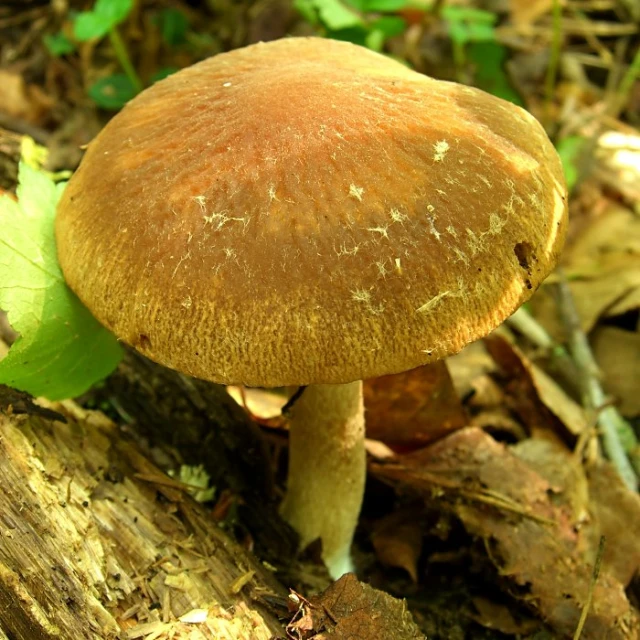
{"type": "Point", "coordinates": [332, 14]}
{"type": "Point", "coordinates": [350, 20]}
{"type": "Point", "coordinates": [173, 26]}
{"type": "Point", "coordinates": [469, 25]}
{"type": "Point", "coordinates": [473, 37]}
{"type": "Point", "coordinates": [489, 59]}
{"type": "Point", "coordinates": [383, 6]}
{"type": "Point", "coordinates": [163, 73]}
{"type": "Point", "coordinates": [382, 29]}
{"type": "Point", "coordinates": [58, 44]}
{"type": "Point", "coordinates": [471, 31]}
{"type": "Point", "coordinates": [197, 479]}
{"type": "Point", "coordinates": [112, 92]}
{"type": "Point", "coordinates": [105, 15]}
{"type": "Point", "coordinates": [570, 149]}
{"type": "Point", "coordinates": [62, 350]}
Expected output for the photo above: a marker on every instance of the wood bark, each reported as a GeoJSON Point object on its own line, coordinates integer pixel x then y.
{"type": "Point", "coordinates": [96, 542]}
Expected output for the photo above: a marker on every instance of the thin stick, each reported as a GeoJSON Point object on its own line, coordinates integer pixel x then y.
{"type": "Point", "coordinates": [560, 361]}
{"type": "Point", "coordinates": [613, 429]}
{"type": "Point", "coordinates": [592, 585]}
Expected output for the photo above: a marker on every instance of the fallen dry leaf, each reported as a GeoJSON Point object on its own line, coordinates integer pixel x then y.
{"type": "Point", "coordinates": [487, 393]}
{"type": "Point", "coordinates": [618, 156]}
{"type": "Point", "coordinates": [23, 101]}
{"type": "Point", "coordinates": [530, 539]}
{"type": "Point", "coordinates": [352, 610]}
{"type": "Point", "coordinates": [603, 269]}
{"type": "Point", "coordinates": [499, 421]}
{"type": "Point", "coordinates": [568, 411]}
{"type": "Point", "coordinates": [524, 12]}
{"type": "Point", "coordinates": [469, 365]}
{"type": "Point", "coordinates": [617, 353]}
{"type": "Point", "coordinates": [414, 407]}
{"type": "Point", "coordinates": [397, 539]}
{"type": "Point", "coordinates": [539, 402]}
{"type": "Point", "coordinates": [563, 471]}
{"type": "Point", "coordinates": [616, 516]}
{"type": "Point", "coordinates": [262, 405]}
{"type": "Point", "coordinates": [493, 615]}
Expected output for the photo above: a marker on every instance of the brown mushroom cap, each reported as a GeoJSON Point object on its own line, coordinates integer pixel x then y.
{"type": "Point", "coordinates": [307, 211]}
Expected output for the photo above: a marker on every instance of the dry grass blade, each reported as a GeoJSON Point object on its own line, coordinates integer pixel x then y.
{"type": "Point", "coordinates": [596, 572]}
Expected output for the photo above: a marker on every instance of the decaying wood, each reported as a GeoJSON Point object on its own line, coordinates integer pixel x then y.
{"type": "Point", "coordinates": [201, 424]}
{"type": "Point", "coordinates": [97, 543]}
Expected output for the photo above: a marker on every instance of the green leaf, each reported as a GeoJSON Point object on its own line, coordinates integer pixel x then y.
{"type": "Point", "coordinates": [197, 479]}
{"type": "Point", "coordinates": [116, 11]}
{"type": "Point", "coordinates": [374, 40]}
{"type": "Point", "coordinates": [469, 25]}
{"type": "Point", "coordinates": [163, 73]}
{"type": "Point", "coordinates": [386, 6]}
{"type": "Point", "coordinates": [106, 15]}
{"type": "Point", "coordinates": [336, 16]}
{"type": "Point", "coordinates": [112, 92]}
{"type": "Point", "coordinates": [480, 32]}
{"type": "Point", "coordinates": [62, 349]}
{"type": "Point", "coordinates": [173, 26]}
{"type": "Point", "coordinates": [569, 149]}
{"type": "Point", "coordinates": [58, 44]}
{"type": "Point", "coordinates": [489, 58]}
{"type": "Point", "coordinates": [390, 25]}
{"type": "Point", "coordinates": [380, 30]}
{"type": "Point", "coordinates": [358, 5]}
{"type": "Point", "coordinates": [89, 25]}
{"type": "Point", "coordinates": [469, 15]}
{"type": "Point", "coordinates": [307, 9]}
{"type": "Point", "coordinates": [357, 35]}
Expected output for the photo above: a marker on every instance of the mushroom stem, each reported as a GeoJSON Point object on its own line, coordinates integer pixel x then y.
{"type": "Point", "coordinates": [327, 469]}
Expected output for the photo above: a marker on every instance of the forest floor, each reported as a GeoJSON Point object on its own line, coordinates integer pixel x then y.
{"type": "Point", "coordinates": [537, 534]}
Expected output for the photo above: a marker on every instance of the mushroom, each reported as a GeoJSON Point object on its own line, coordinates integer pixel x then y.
{"type": "Point", "coordinates": [308, 212]}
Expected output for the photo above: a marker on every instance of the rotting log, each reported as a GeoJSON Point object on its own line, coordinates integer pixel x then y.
{"type": "Point", "coordinates": [97, 543]}
{"type": "Point", "coordinates": [200, 424]}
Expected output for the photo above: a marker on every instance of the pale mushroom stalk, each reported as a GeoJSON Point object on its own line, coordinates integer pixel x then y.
{"type": "Point", "coordinates": [327, 467]}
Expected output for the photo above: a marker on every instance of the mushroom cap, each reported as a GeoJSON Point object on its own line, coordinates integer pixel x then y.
{"type": "Point", "coordinates": [307, 211]}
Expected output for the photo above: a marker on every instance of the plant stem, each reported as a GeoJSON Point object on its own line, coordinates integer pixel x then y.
{"type": "Point", "coordinates": [592, 585]}
{"type": "Point", "coordinates": [616, 434]}
{"type": "Point", "coordinates": [120, 49]}
{"type": "Point", "coordinates": [626, 84]}
{"type": "Point", "coordinates": [554, 60]}
{"type": "Point", "coordinates": [560, 361]}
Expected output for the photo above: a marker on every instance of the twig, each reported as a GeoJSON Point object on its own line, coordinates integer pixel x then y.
{"type": "Point", "coordinates": [616, 434]}
{"type": "Point", "coordinates": [592, 585]}
{"type": "Point", "coordinates": [524, 323]}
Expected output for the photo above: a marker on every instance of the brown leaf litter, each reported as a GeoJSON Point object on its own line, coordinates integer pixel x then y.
{"type": "Point", "coordinates": [539, 547]}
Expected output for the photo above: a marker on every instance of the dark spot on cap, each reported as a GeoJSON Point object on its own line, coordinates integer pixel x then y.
{"type": "Point", "coordinates": [525, 255]}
